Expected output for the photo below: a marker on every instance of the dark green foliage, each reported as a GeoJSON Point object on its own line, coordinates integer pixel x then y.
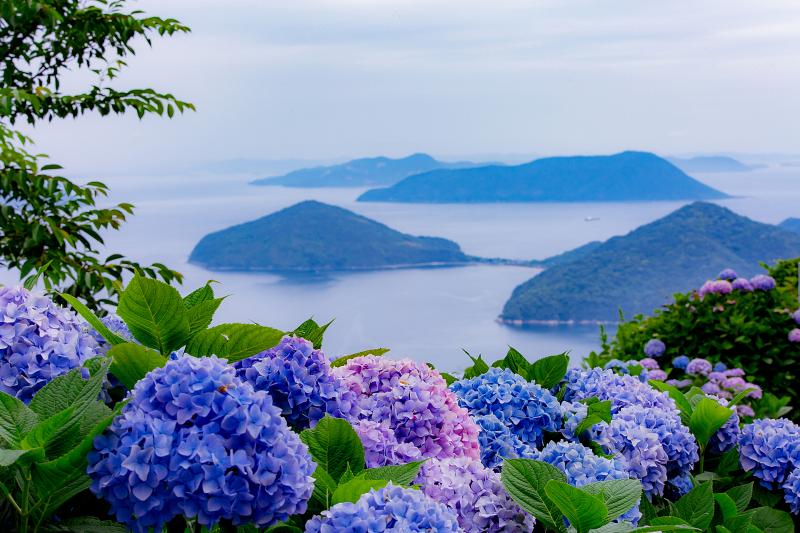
{"type": "Point", "coordinates": [368, 171]}
{"type": "Point", "coordinates": [641, 270]}
{"type": "Point", "coordinates": [312, 236]}
{"type": "Point", "coordinates": [628, 176]}
{"type": "Point", "coordinates": [50, 227]}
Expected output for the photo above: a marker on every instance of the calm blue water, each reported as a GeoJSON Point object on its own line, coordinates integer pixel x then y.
{"type": "Point", "coordinates": [426, 314]}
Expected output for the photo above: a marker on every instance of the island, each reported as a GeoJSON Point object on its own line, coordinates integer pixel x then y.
{"type": "Point", "coordinates": [623, 177]}
{"type": "Point", "coordinates": [791, 224]}
{"type": "Point", "coordinates": [312, 236]}
{"type": "Point", "coordinates": [366, 172]}
{"type": "Point", "coordinates": [710, 163]}
{"type": "Point", "coordinates": [640, 271]}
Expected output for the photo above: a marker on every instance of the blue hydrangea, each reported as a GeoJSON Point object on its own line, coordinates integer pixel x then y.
{"type": "Point", "coordinates": [728, 274]}
{"type": "Point", "coordinates": [622, 391]}
{"type": "Point", "coordinates": [574, 414]}
{"type": "Point", "coordinates": [497, 442]}
{"type": "Point", "coordinates": [762, 282]}
{"type": "Point", "coordinates": [194, 440]}
{"type": "Point", "coordinates": [300, 381]}
{"type": "Point", "coordinates": [791, 491]}
{"type": "Point", "coordinates": [678, 486]}
{"type": "Point", "coordinates": [726, 437]}
{"type": "Point", "coordinates": [616, 364]}
{"type": "Point", "coordinates": [117, 326]}
{"type": "Point", "coordinates": [645, 457]}
{"type": "Point", "coordinates": [742, 284]}
{"type": "Point", "coordinates": [526, 408]}
{"type": "Point", "coordinates": [680, 362]}
{"type": "Point", "coordinates": [770, 449]}
{"type": "Point", "coordinates": [654, 348]}
{"type": "Point", "coordinates": [38, 341]}
{"type": "Point", "coordinates": [390, 509]}
{"type": "Point", "coordinates": [720, 367]}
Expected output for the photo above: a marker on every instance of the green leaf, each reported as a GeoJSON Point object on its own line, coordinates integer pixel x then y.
{"type": "Point", "coordinates": [155, 314]}
{"type": "Point", "coordinates": [397, 474]}
{"type": "Point", "coordinates": [726, 505]}
{"type": "Point", "coordinates": [334, 445]}
{"type": "Point", "coordinates": [772, 520]}
{"type": "Point", "coordinates": [347, 476]}
{"type": "Point", "coordinates": [740, 396]}
{"type": "Point", "coordinates": [16, 419]}
{"type": "Point", "coordinates": [448, 378]}
{"type": "Point", "coordinates": [729, 462]}
{"type": "Point", "coordinates": [647, 509]}
{"type": "Point", "coordinates": [86, 524]}
{"type": "Point", "coordinates": [524, 480]}
{"type": "Point", "coordinates": [708, 416]}
{"type": "Point", "coordinates": [584, 511]}
{"type": "Point", "coordinates": [131, 362]}
{"type": "Point", "coordinates": [233, 342]}
{"type": "Point", "coordinates": [741, 496]}
{"type": "Point", "coordinates": [312, 332]}
{"type": "Point", "coordinates": [324, 486]}
{"type": "Point", "coordinates": [55, 435]}
{"type": "Point", "coordinates": [70, 390]}
{"type": "Point", "coordinates": [697, 505]}
{"type": "Point", "coordinates": [515, 362]}
{"type": "Point", "coordinates": [596, 412]}
{"type": "Point", "coordinates": [681, 401]}
{"type": "Point", "coordinates": [91, 318]}
{"type": "Point", "coordinates": [478, 368]}
{"type": "Point", "coordinates": [619, 495]}
{"type": "Point", "coordinates": [341, 361]}
{"type": "Point", "coordinates": [355, 488]}
{"type": "Point", "coordinates": [10, 457]}
{"type": "Point", "coordinates": [198, 296]}
{"type": "Point", "coordinates": [201, 315]}
{"type": "Point", "coordinates": [548, 372]}
{"type": "Point", "coordinates": [614, 527]}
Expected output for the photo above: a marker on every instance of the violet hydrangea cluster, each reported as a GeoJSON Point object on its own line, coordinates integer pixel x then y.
{"type": "Point", "coordinates": [413, 401]}
{"type": "Point", "coordinates": [390, 509]}
{"type": "Point", "coordinates": [622, 391]}
{"type": "Point", "coordinates": [300, 381]}
{"type": "Point", "coordinates": [497, 442]}
{"type": "Point", "coordinates": [726, 437]}
{"type": "Point", "coordinates": [195, 440]}
{"type": "Point", "coordinates": [791, 490]}
{"type": "Point", "coordinates": [475, 494]}
{"type": "Point", "coordinates": [770, 449]}
{"type": "Point", "coordinates": [381, 447]}
{"type": "Point", "coordinates": [524, 407]}
{"type": "Point", "coordinates": [654, 348]}
{"type": "Point", "coordinates": [762, 282]}
{"type": "Point", "coordinates": [39, 341]}
{"type": "Point", "coordinates": [698, 367]}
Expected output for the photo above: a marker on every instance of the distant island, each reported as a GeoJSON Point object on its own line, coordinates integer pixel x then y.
{"type": "Point", "coordinates": [712, 163]}
{"type": "Point", "coordinates": [313, 236]}
{"type": "Point", "coordinates": [792, 224]}
{"type": "Point", "coordinates": [643, 269]}
{"type": "Point", "coordinates": [628, 176]}
{"type": "Point", "coordinates": [361, 172]}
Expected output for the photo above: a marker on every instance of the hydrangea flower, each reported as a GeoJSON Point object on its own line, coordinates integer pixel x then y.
{"type": "Point", "coordinates": [300, 381]}
{"type": "Point", "coordinates": [791, 491]}
{"type": "Point", "coordinates": [762, 282]}
{"type": "Point", "coordinates": [719, 286]}
{"type": "Point", "coordinates": [742, 284]}
{"type": "Point", "coordinates": [390, 509]}
{"type": "Point", "coordinates": [796, 316]}
{"type": "Point", "coordinates": [680, 362]}
{"type": "Point", "coordinates": [658, 375]}
{"type": "Point", "coordinates": [720, 367]}
{"type": "Point", "coordinates": [794, 335]}
{"type": "Point", "coordinates": [616, 364]}
{"type": "Point", "coordinates": [770, 449]}
{"type": "Point", "coordinates": [574, 414]}
{"type": "Point", "coordinates": [698, 367]}
{"type": "Point", "coordinates": [645, 457]}
{"type": "Point", "coordinates": [475, 494]}
{"type": "Point", "coordinates": [679, 485]}
{"type": "Point", "coordinates": [727, 436]}
{"type": "Point", "coordinates": [526, 408]}
{"type": "Point", "coordinates": [728, 274]}
{"type": "Point", "coordinates": [680, 383]}
{"type": "Point", "coordinates": [745, 410]}
{"type": "Point", "coordinates": [381, 447]}
{"type": "Point", "coordinates": [607, 385]}
{"type": "Point", "coordinates": [497, 442]}
{"type": "Point", "coordinates": [117, 326]}
{"type": "Point", "coordinates": [648, 363]}
{"type": "Point", "coordinates": [412, 400]}
{"type": "Point", "coordinates": [195, 440]}
{"type": "Point", "coordinates": [38, 341]}
{"type": "Point", "coordinates": [654, 348]}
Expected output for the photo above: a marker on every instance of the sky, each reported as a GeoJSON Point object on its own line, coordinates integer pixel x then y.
{"type": "Point", "coordinates": [330, 80]}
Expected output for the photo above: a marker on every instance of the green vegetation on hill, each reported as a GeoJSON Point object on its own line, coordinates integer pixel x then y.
{"type": "Point", "coordinates": [628, 176]}
{"type": "Point", "coordinates": [792, 224]}
{"type": "Point", "coordinates": [361, 172]}
{"type": "Point", "coordinates": [312, 236]}
{"type": "Point", "coordinates": [643, 269]}
{"type": "Point", "coordinates": [714, 163]}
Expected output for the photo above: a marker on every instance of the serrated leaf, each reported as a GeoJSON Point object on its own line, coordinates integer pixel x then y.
{"type": "Point", "coordinates": [91, 318]}
{"type": "Point", "coordinates": [233, 342]}
{"type": "Point", "coordinates": [524, 480]}
{"type": "Point", "coordinates": [707, 417]}
{"type": "Point", "coordinates": [478, 368]}
{"type": "Point", "coordinates": [515, 362]}
{"type": "Point", "coordinates": [596, 412]}
{"type": "Point", "coordinates": [71, 390]}
{"type": "Point", "coordinates": [132, 362]}
{"type": "Point", "coordinates": [696, 507]}
{"type": "Point", "coordinates": [614, 527]}
{"type": "Point", "coordinates": [684, 406]}
{"type": "Point", "coordinates": [397, 474]}
{"type": "Point", "coordinates": [548, 372]}
{"type": "Point", "coordinates": [86, 524]}
{"type": "Point", "coordinates": [10, 457]}
{"type": "Point", "coordinates": [201, 315]}
{"type": "Point", "coordinates": [312, 332]}
{"type": "Point", "coordinates": [324, 486]}
{"type": "Point", "coordinates": [584, 511]}
{"type": "Point", "coordinates": [55, 435]}
{"type": "Point", "coordinates": [198, 296]}
{"type": "Point", "coordinates": [355, 488]}
{"type": "Point", "coordinates": [334, 445]}
{"type": "Point", "coordinates": [726, 505]}
{"type": "Point", "coordinates": [772, 520]}
{"type": "Point", "coordinates": [341, 361]}
{"type": "Point", "coordinates": [155, 314]}
{"type": "Point", "coordinates": [619, 495]}
{"type": "Point", "coordinates": [741, 496]}
{"type": "Point", "coordinates": [16, 419]}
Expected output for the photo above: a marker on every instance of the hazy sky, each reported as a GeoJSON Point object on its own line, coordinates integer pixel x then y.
{"type": "Point", "coordinates": [333, 79]}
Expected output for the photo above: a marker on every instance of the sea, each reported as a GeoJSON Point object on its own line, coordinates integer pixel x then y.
{"type": "Point", "coordinates": [433, 315]}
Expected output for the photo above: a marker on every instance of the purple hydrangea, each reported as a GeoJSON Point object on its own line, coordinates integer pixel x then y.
{"type": "Point", "coordinates": [770, 449]}
{"type": "Point", "coordinates": [497, 442]}
{"type": "Point", "coordinates": [607, 385]}
{"type": "Point", "coordinates": [745, 410]}
{"type": "Point", "coordinates": [654, 348]}
{"type": "Point", "coordinates": [300, 381]}
{"type": "Point", "coordinates": [195, 440]}
{"type": "Point", "coordinates": [526, 408]}
{"type": "Point", "coordinates": [413, 400]}
{"type": "Point", "coordinates": [698, 367]}
{"type": "Point", "coordinates": [475, 494]}
{"type": "Point", "coordinates": [38, 341]}
{"type": "Point", "coordinates": [648, 363]}
{"type": "Point", "coordinates": [796, 316]}
{"type": "Point", "coordinates": [762, 282]}
{"type": "Point", "coordinates": [680, 383]}
{"type": "Point", "coordinates": [645, 457]}
{"type": "Point", "coordinates": [728, 274]}
{"type": "Point", "coordinates": [742, 284]}
{"type": "Point", "coordinates": [381, 447]}
{"type": "Point", "coordinates": [680, 362]}
{"type": "Point", "coordinates": [719, 286]}
{"type": "Point", "coordinates": [791, 491]}
{"type": "Point", "coordinates": [794, 335]}
{"type": "Point", "coordinates": [726, 437]}
{"type": "Point", "coordinates": [390, 509]}
{"type": "Point", "coordinates": [658, 375]}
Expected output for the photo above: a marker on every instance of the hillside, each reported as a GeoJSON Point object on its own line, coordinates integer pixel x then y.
{"type": "Point", "coordinates": [361, 172]}
{"type": "Point", "coordinates": [312, 236]}
{"type": "Point", "coordinates": [628, 176]}
{"type": "Point", "coordinates": [641, 270]}
{"type": "Point", "coordinates": [715, 163]}
{"type": "Point", "coordinates": [792, 224]}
